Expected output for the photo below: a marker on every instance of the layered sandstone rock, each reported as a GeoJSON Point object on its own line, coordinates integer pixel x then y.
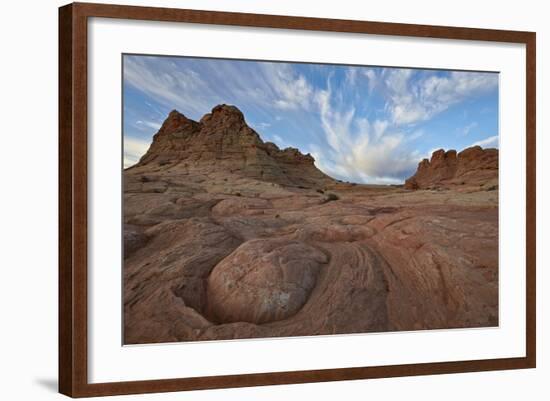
{"type": "Point", "coordinates": [223, 140]}
{"type": "Point", "coordinates": [264, 280]}
{"type": "Point", "coordinates": [230, 237]}
{"type": "Point", "coordinates": [473, 166]}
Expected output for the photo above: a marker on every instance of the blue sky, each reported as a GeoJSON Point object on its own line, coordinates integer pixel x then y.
{"type": "Point", "coordinates": [361, 124]}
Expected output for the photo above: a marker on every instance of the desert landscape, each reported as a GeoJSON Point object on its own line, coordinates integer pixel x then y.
{"type": "Point", "coordinates": [229, 237]}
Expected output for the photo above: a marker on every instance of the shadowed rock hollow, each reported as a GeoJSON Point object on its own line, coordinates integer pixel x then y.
{"type": "Point", "coordinates": [226, 236]}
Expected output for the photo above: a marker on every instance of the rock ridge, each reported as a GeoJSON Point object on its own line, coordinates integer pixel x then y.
{"type": "Point", "coordinates": [222, 139]}
{"type": "Point", "coordinates": [473, 166]}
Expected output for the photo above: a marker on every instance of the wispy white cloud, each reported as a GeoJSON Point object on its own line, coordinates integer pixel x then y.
{"type": "Point", "coordinates": [155, 110]}
{"type": "Point", "coordinates": [290, 90]}
{"type": "Point", "coordinates": [413, 136]}
{"type": "Point", "coordinates": [490, 142]}
{"type": "Point", "coordinates": [357, 149]}
{"type": "Point", "coordinates": [261, 125]}
{"type": "Point", "coordinates": [336, 124]}
{"type": "Point", "coordinates": [379, 127]}
{"type": "Point", "coordinates": [280, 142]}
{"type": "Point", "coordinates": [468, 128]}
{"type": "Point", "coordinates": [182, 84]}
{"type": "Point", "coordinates": [411, 101]}
{"type": "Point", "coordinates": [168, 84]}
{"type": "Point", "coordinates": [351, 75]}
{"type": "Point", "coordinates": [134, 148]}
{"type": "Point", "coordinates": [151, 124]}
{"type": "Point", "coordinates": [372, 78]}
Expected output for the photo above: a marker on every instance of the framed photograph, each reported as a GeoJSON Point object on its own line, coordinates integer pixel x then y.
{"type": "Point", "coordinates": [251, 200]}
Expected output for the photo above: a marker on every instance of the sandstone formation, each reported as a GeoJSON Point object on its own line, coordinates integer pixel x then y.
{"type": "Point", "coordinates": [223, 140]}
{"type": "Point", "coordinates": [226, 237]}
{"type": "Point", "coordinates": [473, 166]}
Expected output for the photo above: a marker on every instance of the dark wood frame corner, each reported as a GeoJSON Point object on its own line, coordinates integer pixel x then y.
{"type": "Point", "coordinates": [73, 198]}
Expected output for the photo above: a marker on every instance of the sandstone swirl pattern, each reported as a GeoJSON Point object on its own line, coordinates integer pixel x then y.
{"type": "Point", "coordinates": [226, 237]}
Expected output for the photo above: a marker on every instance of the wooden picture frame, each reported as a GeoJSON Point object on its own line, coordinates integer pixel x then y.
{"type": "Point", "coordinates": [73, 198]}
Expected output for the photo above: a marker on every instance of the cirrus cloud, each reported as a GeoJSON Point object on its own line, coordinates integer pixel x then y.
{"type": "Point", "coordinates": [414, 100]}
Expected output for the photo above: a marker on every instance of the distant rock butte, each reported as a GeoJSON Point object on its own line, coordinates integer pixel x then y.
{"type": "Point", "coordinates": [222, 140]}
{"type": "Point", "coordinates": [473, 166]}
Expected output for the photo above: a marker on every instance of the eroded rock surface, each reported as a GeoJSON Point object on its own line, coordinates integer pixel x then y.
{"type": "Point", "coordinates": [263, 280]}
{"type": "Point", "coordinates": [222, 140]}
{"type": "Point", "coordinates": [229, 237]}
{"type": "Point", "coordinates": [473, 166]}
